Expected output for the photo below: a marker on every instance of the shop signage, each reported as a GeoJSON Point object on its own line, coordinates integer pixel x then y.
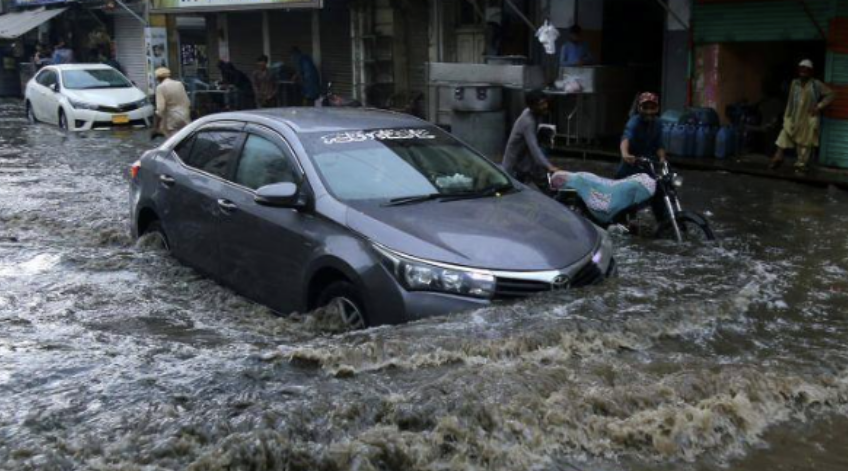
{"type": "Point", "coordinates": [156, 44]}
{"type": "Point", "coordinates": [224, 5]}
{"type": "Point", "coordinates": [32, 3]}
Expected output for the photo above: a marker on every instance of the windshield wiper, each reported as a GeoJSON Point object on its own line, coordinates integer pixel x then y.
{"type": "Point", "coordinates": [484, 193]}
{"type": "Point", "coordinates": [413, 199]}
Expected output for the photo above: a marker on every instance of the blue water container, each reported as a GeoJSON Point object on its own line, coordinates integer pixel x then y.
{"type": "Point", "coordinates": [666, 135]}
{"type": "Point", "coordinates": [725, 142]}
{"type": "Point", "coordinates": [691, 140]}
{"type": "Point", "coordinates": [705, 141]}
{"type": "Point", "coordinates": [677, 141]}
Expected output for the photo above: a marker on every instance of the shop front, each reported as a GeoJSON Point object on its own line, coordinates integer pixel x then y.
{"type": "Point", "coordinates": [746, 55]}
{"type": "Point", "coordinates": [211, 32]}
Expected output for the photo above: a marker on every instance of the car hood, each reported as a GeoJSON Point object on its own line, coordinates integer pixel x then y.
{"type": "Point", "coordinates": [106, 96]}
{"type": "Point", "coordinates": [519, 232]}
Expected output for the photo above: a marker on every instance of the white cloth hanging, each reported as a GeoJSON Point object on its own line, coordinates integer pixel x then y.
{"type": "Point", "coordinates": [548, 36]}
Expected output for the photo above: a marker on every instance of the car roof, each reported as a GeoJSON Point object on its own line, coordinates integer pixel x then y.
{"type": "Point", "coordinates": [325, 119]}
{"type": "Point", "coordinates": [61, 67]}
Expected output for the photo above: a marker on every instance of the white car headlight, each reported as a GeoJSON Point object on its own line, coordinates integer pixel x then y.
{"type": "Point", "coordinates": [81, 105]}
{"type": "Point", "coordinates": [142, 103]}
{"type": "Point", "coordinates": [419, 275]}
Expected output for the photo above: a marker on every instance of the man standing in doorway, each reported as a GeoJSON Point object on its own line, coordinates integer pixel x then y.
{"type": "Point", "coordinates": [173, 108]}
{"type": "Point", "coordinates": [523, 157]}
{"type": "Point", "coordinates": [307, 75]}
{"type": "Point", "coordinates": [575, 52]}
{"type": "Point", "coordinates": [264, 84]}
{"type": "Point", "coordinates": [62, 54]}
{"type": "Point", "coordinates": [808, 97]}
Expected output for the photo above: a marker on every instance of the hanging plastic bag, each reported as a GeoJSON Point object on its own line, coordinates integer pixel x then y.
{"type": "Point", "coordinates": [548, 36]}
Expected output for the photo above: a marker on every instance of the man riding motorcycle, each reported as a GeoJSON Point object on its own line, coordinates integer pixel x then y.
{"type": "Point", "coordinates": [642, 137]}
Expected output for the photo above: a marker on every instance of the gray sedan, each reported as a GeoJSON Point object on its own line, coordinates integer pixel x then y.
{"type": "Point", "coordinates": [383, 215]}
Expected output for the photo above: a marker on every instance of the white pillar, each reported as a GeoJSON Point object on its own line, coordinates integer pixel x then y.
{"type": "Point", "coordinates": [266, 34]}
{"type": "Point", "coordinates": [316, 38]}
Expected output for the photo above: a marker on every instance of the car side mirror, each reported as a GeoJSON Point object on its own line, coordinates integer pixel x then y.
{"type": "Point", "coordinates": [55, 87]}
{"type": "Point", "coordinates": [281, 195]}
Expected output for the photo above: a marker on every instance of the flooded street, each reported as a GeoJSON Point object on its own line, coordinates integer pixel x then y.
{"type": "Point", "coordinates": [114, 356]}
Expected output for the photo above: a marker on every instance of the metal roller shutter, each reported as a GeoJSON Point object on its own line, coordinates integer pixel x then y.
{"type": "Point", "coordinates": [289, 29]}
{"type": "Point", "coordinates": [129, 48]}
{"type": "Point", "coordinates": [336, 47]}
{"type": "Point", "coordinates": [775, 20]}
{"type": "Point", "coordinates": [245, 40]}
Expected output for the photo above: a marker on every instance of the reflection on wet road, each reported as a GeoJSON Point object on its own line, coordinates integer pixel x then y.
{"type": "Point", "coordinates": [113, 356]}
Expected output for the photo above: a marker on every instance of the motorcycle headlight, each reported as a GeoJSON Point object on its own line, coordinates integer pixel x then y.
{"type": "Point", "coordinates": [603, 255]}
{"type": "Point", "coordinates": [81, 105]}
{"type": "Point", "coordinates": [419, 275]}
{"type": "Point", "coordinates": [677, 181]}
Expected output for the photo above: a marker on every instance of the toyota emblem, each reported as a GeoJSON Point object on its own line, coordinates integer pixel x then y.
{"type": "Point", "coordinates": [559, 283]}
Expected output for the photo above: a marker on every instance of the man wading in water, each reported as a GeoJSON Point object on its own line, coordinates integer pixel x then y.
{"type": "Point", "coordinates": [808, 97]}
{"type": "Point", "coordinates": [524, 158]}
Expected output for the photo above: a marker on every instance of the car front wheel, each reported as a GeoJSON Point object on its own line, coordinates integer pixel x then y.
{"type": "Point", "coordinates": [154, 237]}
{"type": "Point", "coordinates": [342, 297]}
{"type": "Point", "coordinates": [30, 113]}
{"type": "Point", "coordinates": [63, 120]}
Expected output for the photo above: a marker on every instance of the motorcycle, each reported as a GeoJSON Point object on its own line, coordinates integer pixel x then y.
{"type": "Point", "coordinates": [671, 220]}
{"type": "Point", "coordinates": [331, 99]}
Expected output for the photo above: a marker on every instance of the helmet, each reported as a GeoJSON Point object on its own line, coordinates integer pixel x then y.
{"type": "Point", "coordinates": [648, 97]}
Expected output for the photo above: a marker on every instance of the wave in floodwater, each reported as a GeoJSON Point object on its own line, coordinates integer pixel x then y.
{"type": "Point", "coordinates": [115, 356]}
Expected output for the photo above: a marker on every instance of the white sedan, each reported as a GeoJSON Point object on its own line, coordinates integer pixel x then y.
{"type": "Point", "coordinates": [80, 97]}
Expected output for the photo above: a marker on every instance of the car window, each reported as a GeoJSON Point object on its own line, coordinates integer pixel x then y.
{"type": "Point", "coordinates": [183, 149]}
{"type": "Point", "coordinates": [214, 152]}
{"type": "Point", "coordinates": [94, 79]}
{"type": "Point", "coordinates": [46, 78]}
{"type": "Point", "coordinates": [264, 163]}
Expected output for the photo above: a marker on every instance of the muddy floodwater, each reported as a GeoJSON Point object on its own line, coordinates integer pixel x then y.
{"type": "Point", "coordinates": [115, 357]}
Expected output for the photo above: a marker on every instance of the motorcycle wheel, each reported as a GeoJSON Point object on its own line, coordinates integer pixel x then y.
{"type": "Point", "coordinates": [693, 228]}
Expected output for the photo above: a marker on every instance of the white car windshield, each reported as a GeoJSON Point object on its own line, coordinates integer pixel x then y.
{"type": "Point", "coordinates": [93, 78]}
{"type": "Point", "coordinates": [391, 164]}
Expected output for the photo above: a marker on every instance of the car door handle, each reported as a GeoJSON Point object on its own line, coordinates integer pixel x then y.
{"type": "Point", "coordinates": [227, 206]}
{"type": "Point", "coordinates": [167, 180]}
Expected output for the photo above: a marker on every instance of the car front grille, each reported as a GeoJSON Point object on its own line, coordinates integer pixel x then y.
{"type": "Point", "coordinates": [589, 275]}
{"type": "Point", "coordinates": [512, 288]}
{"type": "Point", "coordinates": [119, 109]}
{"type": "Point", "coordinates": [515, 288]}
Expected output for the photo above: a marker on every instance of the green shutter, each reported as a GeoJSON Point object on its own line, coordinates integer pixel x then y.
{"type": "Point", "coordinates": [837, 72]}
{"type": "Point", "coordinates": [842, 8]}
{"type": "Point", "coordinates": [775, 20]}
{"type": "Point", "coordinates": [834, 143]}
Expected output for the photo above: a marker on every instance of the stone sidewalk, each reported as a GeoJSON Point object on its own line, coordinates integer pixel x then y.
{"type": "Point", "coordinates": [752, 164]}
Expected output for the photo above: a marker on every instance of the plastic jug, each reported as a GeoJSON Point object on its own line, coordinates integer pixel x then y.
{"type": "Point", "coordinates": [705, 141]}
{"type": "Point", "coordinates": [677, 141]}
{"type": "Point", "coordinates": [725, 142]}
{"type": "Point", "coordinates": [666, 135]}
{"type": "Point", "coordinates": [691, 137]}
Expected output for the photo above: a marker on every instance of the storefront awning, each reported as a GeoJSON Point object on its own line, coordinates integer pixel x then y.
{"type": "Point", "coordinates": [189, 6]}
{"type": "Point", "coordinates": [14, 24]}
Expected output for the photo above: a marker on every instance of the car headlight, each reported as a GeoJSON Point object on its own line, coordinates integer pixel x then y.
{"type": "Point", "coordinates": [142, 103]}
{"type": "Point", "coordinates": [81, 105]}
{"type": "Point", "coordinates": [419, 275]}
{"type": "Point", "coordinates": [603, 255]}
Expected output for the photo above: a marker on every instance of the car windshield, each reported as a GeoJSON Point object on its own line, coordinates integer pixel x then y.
{"type": "Point", "coordinates": [93, 78]}
{"type": "Point", "coordinates": [393, 164]}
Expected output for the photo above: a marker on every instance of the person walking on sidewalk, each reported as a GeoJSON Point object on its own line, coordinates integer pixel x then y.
{"type": "Point", "coordinates": [264, 84]}
{"type": "Point", "coordinates": [808, 97]}
{"type": "Point", "coordinates": [173, 108]}
{"type": "Point", "coordinates": [523, 157]}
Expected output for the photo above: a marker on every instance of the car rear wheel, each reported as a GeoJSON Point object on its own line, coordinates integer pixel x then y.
{"type": "Point", "coordinates": [63, 120]}
{"type": "Point", "coordinates": [154, 237]}
{"type": "Point", "coordinates": [342, 297]}
{"type": "Point", "coordinates": [30, 113]}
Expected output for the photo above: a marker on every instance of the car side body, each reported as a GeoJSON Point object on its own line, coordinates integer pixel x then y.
{"type": "Point", "coordinates": [284, 255]}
